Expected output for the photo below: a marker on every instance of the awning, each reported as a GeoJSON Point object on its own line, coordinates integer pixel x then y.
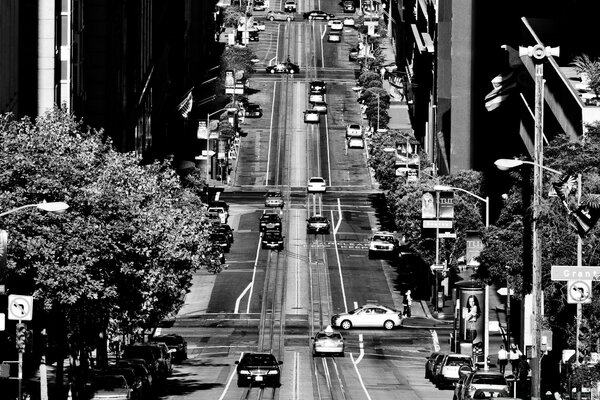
{"type": "Point", "coordinates": [418, 40]}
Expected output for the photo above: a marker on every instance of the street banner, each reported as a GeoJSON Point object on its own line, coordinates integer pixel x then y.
{"type": "Point", "coordinates": [428, 205]}
{"type": "Point", "coordinates": [474, 246]}
{"type": "Point", "coordinates": [446, 206]}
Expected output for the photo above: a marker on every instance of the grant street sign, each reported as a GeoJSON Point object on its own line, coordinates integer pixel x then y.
{"type": "Point", "coordinates": [574, 272]}
{"type": "Point", "coordinates": [437, 223]}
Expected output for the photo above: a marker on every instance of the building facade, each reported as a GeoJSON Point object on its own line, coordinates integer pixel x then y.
{"type": "Point", "coordinates": [121, 66]}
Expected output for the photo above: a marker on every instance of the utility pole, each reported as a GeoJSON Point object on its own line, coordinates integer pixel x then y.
{"type": "Point", "coordinates": [539, 54]}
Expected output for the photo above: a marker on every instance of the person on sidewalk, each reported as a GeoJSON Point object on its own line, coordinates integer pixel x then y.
{"type": "Point", "coordinates": [407, 304]}
{"type": "Point", "coordinates": [502, 359]}
{"type": "Point", "coordinates": [514, 355]}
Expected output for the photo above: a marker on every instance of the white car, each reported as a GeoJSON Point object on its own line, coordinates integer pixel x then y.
{"type": "Point", "coordinates": [368, 316]}
{"type": "Point", "coordinates": [383, 243]}
{"type": "Point", "coordinates": [353, 130]}
{"type": "Point", "coordinates": [356, 143]}
{"type": "Point", "coordinates": [334, 37]}
{"type": "Point", "coordinates": [316, 97]}
{"type": "Point", "coordinates": [221, 212]}
{"type": "Point", "coordinates": [311, 116]}
{"type": "Point", "coordinates": [259, 25]}
{"type": "Point", "coordinates": [328, 341]}
{"type": "Point", "coordinates": [336, 25]}
{"type": "Point", "coordinates": [348, 21]}
{"type": "Point", "coordinates": [316, 184]}
{"type": "Point", "coordinates": [320, 106]}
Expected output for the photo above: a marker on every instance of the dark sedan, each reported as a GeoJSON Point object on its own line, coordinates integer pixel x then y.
{"type": "Point", "coordinates": [318, 14]}
{"type": "Point", "coordinates": [283, 68]}
{"type": "Point", "coordinates": [253, 110]}
{"type": "Point", "coordinates": [261, 369]}
{"type": "Point", "coordinates": [317, 224]}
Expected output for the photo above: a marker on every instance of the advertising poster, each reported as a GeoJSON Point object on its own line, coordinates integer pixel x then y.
{"type": "Point", "coordinates": [428, 205]}
{"type": "Point", "coordinates": [472, 306]}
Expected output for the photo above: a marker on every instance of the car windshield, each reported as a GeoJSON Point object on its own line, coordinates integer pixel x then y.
{"type": "Point", "coordinates": [318, 219]}
{"type": "Point", "coordinates": [488, 380]}
{"type": "Point", "coordinates": [334, 336]}
{"type": "Point", "coordinates": [270, 217]}
{"type": "Point", "coordinates": [259, 359]}
{"type": "Point", "coordinates": [457, 361]}
{"type": "Point", "coordinates": [274, 194]}
{"type": "Point", "coordinates": [316, 180]}
{"type": "Point", "coordinates": [354, 126]}
{"type": "Point", "coordinates": [384, 238]}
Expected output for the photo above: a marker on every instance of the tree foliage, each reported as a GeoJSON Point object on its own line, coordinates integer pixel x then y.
{"type": "Point", "coordinates": [122, 255]}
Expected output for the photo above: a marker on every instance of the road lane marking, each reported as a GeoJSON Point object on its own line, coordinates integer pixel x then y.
{"type": "Point", "coordinates": [251, 284]}
{"type": "Point", "coordinates": [360, 377]}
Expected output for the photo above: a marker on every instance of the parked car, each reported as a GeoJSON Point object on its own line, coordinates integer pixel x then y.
{"type": "Point", "coordinates": [317, 87]}
{"type": "Point", "coordinates": [317, 224]}
{"type": "Point", "coordinates": [289, 6]}
{"type": "Point", "coordinates": [253, 110]}
{"type": "Point", "coordinates": [276, 15]}
{"type": "Point", "coordinates": [356, 143]}
{"type": "Point", "coordinates": [271, 221]}
{"type": "Point", "coordinates": [221, 240]}
{"type": "Point", "coordinates": [259, 25]}
{"type": "Point", "coordinates": [252, 35]}
{"type": "Point", "coordinates": [353, 54]}
{"type": "Point", "coordinates": [484, 381]}
{"type": "Point", "coordinates": [436, 367]}
{"type": "Point", "coordinates": [318, 14]}
{"type": "Point", "coordinates": [328, 341]}
{"type": "Point", "coordinates": [354, 130]}
{"type": "Point", "coordinates": [368, 316]}
{"type": "Point", "coordinates": [348, 21]}
{"type": "Point", "coordinates": [311, 116]}
{"type": "Point", "coordinates": [259, 5]}
{"type": "Point", "coordinates": [113, 387]}
{"type": "Point", "coordinates": [141, 372]}
{"type": "Point", "coordinates": [283, 68]}
{"type": "Point", "coordinates": [274, 198]}
{"type": "Point", "coordinates": [258, 369]}
{"type": "Point", "coordinates": [430, 362]}
{"type": "Point", "coordinates": [219, 203]}
{"type": "Point", "coordinates": [383, 243]}
{"type": "Point", "coordinates": [450, 368]}
{"type": "Point", "coordinates": [152, 357]}
{"type": "Point", "coordinates": [225, 229]}
{"type": "Point", "coordinates": [316, 184]}
{"type": "Point", "coordinates": [134, 382]}
{"type": "Point", "coordinates": [334, 37]}
{"type": "Point", "coordinates": [165, 359]}
{"type": "Point", "coordinates": [221, 212]}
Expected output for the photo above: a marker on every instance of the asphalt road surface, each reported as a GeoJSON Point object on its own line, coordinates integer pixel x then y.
{"type": "Point", "coordinates": [275, 301]}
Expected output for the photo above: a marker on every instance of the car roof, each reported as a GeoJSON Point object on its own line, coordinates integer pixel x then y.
{"type": "Point", "coordinates": [383, 233]}
{"type": "Point", "coordinates": [457, 355]}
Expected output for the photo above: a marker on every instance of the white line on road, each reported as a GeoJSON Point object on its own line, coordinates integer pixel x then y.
{"type": "Point", "coordinates": [360, 377]}
{"type": "Point", "coordinates": [337, 255]}
{"type": "Point", "coordinates": [251, 284]}
{"type": "Point", "coordinates": [270, 134]}
{"type": "Point", "coordinates": [229, 381]}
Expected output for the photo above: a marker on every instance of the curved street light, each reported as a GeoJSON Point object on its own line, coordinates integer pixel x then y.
{"type": "Point", "coordinates": [504, 164]}
{"type": "Point", "coordinates": [56, 206]}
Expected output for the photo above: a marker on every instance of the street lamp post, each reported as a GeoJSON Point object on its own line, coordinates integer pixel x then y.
{"type": "Point", "coordinates": [56, 207]}
{"type": "Point", "coordinates": [486, 317]}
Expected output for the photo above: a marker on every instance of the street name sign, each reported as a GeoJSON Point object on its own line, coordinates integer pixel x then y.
{"type": "Point", "coordinates": [574, 272]}
{"type": "Point", "coordinates": [437, 223]}
{"type": "Point", "coordinates": [447, 235]}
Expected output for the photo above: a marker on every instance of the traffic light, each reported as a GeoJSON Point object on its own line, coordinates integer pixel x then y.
{"type": "Point", "coordinates": [21, 336]}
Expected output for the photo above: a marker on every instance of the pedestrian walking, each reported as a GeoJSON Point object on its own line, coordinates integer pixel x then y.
{"type": "Point", "coordinates": [407, 304]}
{"type": "Point", "coordinates": [502, 359]}
{"type": "Point", "coordinates": [514, 355]}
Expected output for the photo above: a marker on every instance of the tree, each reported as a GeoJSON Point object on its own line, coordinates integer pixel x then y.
{"type": "Point", "coordinates": [124, 252]}
{"type": "Point", "coordinates": [590, 71]}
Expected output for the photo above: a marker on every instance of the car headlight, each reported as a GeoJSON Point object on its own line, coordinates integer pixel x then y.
{"type": "Point", "coordinates": [244, 372]}
{"type": "Point", "coordinates": [273, 372]}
